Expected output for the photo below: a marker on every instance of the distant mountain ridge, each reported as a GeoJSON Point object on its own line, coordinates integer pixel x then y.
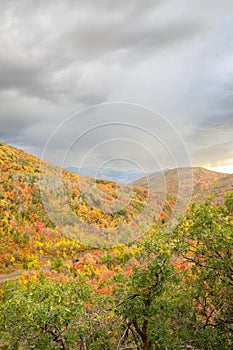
{"type": "Point", "coordinates": [205, 182]}
{"type": "Point", "coordinates": [120, 176]}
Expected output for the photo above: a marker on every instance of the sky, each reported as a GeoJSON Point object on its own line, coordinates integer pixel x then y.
{"type": "Point", "coordinates": [137, 83]}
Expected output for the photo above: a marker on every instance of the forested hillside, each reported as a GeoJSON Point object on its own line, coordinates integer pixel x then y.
{"type": "Point", "coordinates": [205, 182]}
{"type": "Point", "coordinates": [27, 232]}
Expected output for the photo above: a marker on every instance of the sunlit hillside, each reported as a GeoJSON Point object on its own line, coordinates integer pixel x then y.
{"type": "Point", "coordinates": [205, 182]}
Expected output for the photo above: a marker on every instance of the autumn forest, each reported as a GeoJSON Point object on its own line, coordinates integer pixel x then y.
{"type": "Point", "coordinates": [66, 288]}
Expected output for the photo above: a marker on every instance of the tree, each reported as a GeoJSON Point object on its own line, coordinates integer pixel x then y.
{"type": "Point", "coordinates": [42, 314]}
{"type": "Point", "coordinates": [205, 246]}
{"type": "Point", "coordinates": [147, 304]}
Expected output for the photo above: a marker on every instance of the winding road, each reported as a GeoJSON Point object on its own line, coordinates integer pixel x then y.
{"type": "Point", "coordinates": [18, 274]}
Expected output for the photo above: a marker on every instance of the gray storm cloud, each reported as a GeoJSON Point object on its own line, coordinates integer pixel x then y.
{"type": "Point", "coordinates": [176, 57]}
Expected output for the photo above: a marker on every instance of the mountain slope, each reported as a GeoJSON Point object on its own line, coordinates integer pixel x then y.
{"type": "Point", "coordinates": [81, 209]}
{"type": "Point", "coordinates": [26, 231]}
{"type": "Point", "coordinates": [205, 182]}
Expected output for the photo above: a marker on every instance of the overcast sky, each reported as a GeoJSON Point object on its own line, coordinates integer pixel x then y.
{"type": "Point", "coordinates": [172, 56]}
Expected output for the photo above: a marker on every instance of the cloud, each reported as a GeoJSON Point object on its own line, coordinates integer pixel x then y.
{"type": "Point", "coordinates": [57, 57]}
{"type": "Point", "coordinates": [44, 44]}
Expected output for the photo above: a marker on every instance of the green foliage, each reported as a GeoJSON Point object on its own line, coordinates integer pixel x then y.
{"type": "Point", "coordinates": [42, 314]}
{"type": "Point", "coordinates": [148, 303]}
{"type": "Point", "coordinates": [229, 202]}
{"type": "Point", "coordinates": [31, 263]}
{"type": "Point", "coordinates": [205, 244]}
{"type": "Point", "coordinates": [58, 264]}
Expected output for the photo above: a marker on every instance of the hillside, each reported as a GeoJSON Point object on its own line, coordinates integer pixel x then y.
{"type": "Point", "coordinates": [25, 228]}
{"type": "Point", "coordinates": [82, 212]}
{"type": "Point", "coordinates": [205, 182]}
